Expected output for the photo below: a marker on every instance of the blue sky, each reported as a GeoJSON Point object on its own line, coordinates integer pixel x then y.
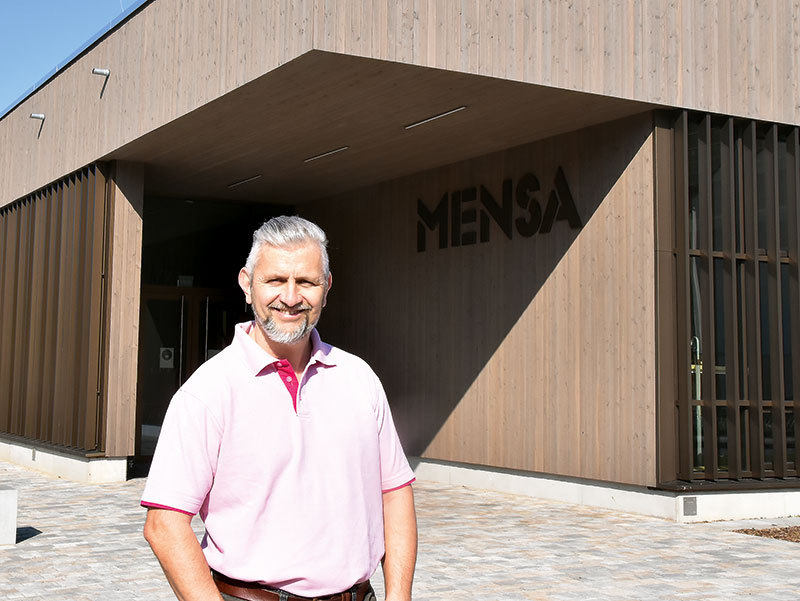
{"type": "Point", "coordinates": [36, 36]}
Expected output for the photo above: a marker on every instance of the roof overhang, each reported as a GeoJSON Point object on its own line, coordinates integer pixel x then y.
{"type": "Point", "coordinates": [264, 132]}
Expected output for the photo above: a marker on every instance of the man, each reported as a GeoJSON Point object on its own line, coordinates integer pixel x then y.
{"type": "Point", "coordinates": [286, 448]}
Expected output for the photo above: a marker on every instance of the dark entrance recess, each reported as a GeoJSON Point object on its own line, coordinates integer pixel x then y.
{"type": "Point", "coordinates": [191, 256]}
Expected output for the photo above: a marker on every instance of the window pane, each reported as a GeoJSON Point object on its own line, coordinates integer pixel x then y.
{"type": "Point", "coordinates": [740, 275]}
{"type": "Point", "coordinates": [722, 438]}
{"type": "Point", "coordinates": [697, 438]}
{"type": "Point", "coordinates": [744, 437]}
{"type": "Point", "coordinates": [696, 318]}
{"type": "Point", "coordinates": [720, 369]}
{"type": "Point", "coordinates": [737, 190]}
{"type": "Point", "coordinates": [791, 444]}
{"type": "Point", "coordinates": [718, 171]}
{"type": "Point", "coordinates": [785, 162]}
{"type": "Point", "coordinates": [766, 354]}
{"type": "Point", "coordinates": [769, 447]}
{"type": "Point", "coordinates": [786, 328]}
{"type": "Point", "coordinates": [764, 177]}
{"type": "Point", "coordinates": [697, 172]}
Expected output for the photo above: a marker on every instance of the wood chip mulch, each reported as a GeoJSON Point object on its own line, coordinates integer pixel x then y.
{"type": "Point", "coordinates": [790, 533]}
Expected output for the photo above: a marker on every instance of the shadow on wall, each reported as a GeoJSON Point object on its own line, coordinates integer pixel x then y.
{"type": "Point", "coordinates": [429, 321]}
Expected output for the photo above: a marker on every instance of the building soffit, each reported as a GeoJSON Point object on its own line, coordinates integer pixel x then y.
{"type": "Point", "coordinates": [264, 132]}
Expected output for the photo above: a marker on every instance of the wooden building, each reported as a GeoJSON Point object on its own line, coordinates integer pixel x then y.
{"type": "Point", "coordinates": [565, 234]}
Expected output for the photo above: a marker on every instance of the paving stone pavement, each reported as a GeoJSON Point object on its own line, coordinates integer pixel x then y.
{"type": "Point", "coordinates": [83, 542]}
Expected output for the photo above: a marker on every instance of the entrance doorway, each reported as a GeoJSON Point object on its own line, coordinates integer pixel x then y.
{"type": "Point", "coordinates": [191, 255]}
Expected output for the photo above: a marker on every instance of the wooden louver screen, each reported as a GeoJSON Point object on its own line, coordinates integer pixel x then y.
{"type": "Point", "coordinates": [52, 246]}
{"type": "Point", "coordinates": [738, 325]}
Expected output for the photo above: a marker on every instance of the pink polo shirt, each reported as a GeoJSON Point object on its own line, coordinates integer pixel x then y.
{"type": "Point", "coordinates": [290, 491]}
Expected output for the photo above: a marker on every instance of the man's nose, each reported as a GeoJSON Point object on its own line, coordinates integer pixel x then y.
{"type": "Point", "coordinates": [290, 295]}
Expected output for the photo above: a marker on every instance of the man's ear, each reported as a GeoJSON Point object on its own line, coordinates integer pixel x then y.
{"type": "Point", "coordinates": [328, 289]}
{"type": "Point", "coordinates": [244, 284]}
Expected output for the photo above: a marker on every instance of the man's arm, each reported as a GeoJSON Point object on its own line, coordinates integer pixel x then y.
{"type": "Point", "coordinates": [175, 545]}
{"type": "Point", "coordinates": [400, 534]}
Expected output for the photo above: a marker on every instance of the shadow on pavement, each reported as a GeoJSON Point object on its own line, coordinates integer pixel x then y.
{"type": "Point", "coordinates": [26, 532]}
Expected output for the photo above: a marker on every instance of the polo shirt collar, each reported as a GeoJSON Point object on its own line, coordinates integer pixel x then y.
{"type": "Point", "coordinates": [321, 352]}
{"type": "Point", "coordinates": [256, 358]}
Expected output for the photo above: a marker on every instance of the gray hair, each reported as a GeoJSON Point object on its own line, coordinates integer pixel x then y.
{"type": "Point", "coordinates": [288, 230]}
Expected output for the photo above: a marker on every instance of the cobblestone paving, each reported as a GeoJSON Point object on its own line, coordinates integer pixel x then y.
{"type": "Point", "coordinates": [79, 542]}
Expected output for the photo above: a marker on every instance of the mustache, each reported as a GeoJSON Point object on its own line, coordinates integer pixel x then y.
{"type": "Point", "coordinates": [279, 306]}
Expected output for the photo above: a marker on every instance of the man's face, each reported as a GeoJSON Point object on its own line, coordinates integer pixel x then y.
{"type": "Point", "coordinates": [287, 291]}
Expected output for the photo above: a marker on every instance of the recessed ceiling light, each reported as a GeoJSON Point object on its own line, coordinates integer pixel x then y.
{"type": "Point", "coordinates": [244, 181]}
{"type": "Point", "coordinates": [439, 116]}
{"type": "Point", "coordinates": [326, 154]}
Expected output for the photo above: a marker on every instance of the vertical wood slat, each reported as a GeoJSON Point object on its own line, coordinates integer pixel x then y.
{"type": "Point", "coordinates": [50, 320]}
{"type": "Point", "coordinates": [105, 382]}
{"type": "Point", "coordinates": [8, 308]}
{"type": "Point", "coordinates": [731, 296]}
{"type": "Point", "coordinates": [742, 380]}
{"type": "Point", "coordinates": [706, 292]}
{"type": "Point", "coordinates": [34, 325]}
{"type": "Point", "coordinates": [64, 368]}
{"type": "Point", "coordinates": [81, 277]}
{"type": "Point", "coordinates": [75, 336]}
{"type": "Point", "coordinates": [730, 306]}
{"type": "Point", "coordinates": [685, 463]}
{"type": "Point", "coordinates": [794, 257]}
{"type": "Point", "coordinates": [22, 314]}
{"type": "Point", "coordinates": [54, 294]}
{"type": "Point", "coordinates": [752, 309]}
{"type": "Point", "coordinates": [85, 282]}
{"type": "Point", "coordinates": [775, 311]}
{"type": "Point", "coordinates": [96, 191]}
{"type": "Point", "coordinates": [5, 307]}
{"type": "Point", "coordinates": [42, 303]}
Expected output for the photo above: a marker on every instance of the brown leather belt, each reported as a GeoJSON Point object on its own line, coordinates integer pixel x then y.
{"type": "Point", "coordinates": [252, 591]}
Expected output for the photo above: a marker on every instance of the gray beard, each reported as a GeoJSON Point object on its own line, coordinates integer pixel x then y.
{"type": "Point", "coordinates": [276, 334]}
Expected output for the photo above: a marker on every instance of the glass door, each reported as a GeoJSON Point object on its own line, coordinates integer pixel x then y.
{"type": "Point", "coordinates": [180, 328]}
{"type": "Point", "coordinates": [162, 355]}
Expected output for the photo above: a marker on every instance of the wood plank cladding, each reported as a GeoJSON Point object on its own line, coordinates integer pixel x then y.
{"type": "Point", "coordinates": [532, 352]}
{"type": "Point", "coordinates": [51, 266]}
{"type": "Point", "coordinates": [122, 316]}
{"type": "Point", "coordinates": [725, 56]}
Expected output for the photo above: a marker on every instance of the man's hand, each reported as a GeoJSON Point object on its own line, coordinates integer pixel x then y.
{"type": "Point", "coordinates": [175, 545]}
{"type": "Point", "coordinates": [400, 535]}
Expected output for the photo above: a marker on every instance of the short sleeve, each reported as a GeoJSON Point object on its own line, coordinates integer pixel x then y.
{"type": "Point", "coordinates": [395, 470]}
{"type": "Point", "coordinates": [185, 458]}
